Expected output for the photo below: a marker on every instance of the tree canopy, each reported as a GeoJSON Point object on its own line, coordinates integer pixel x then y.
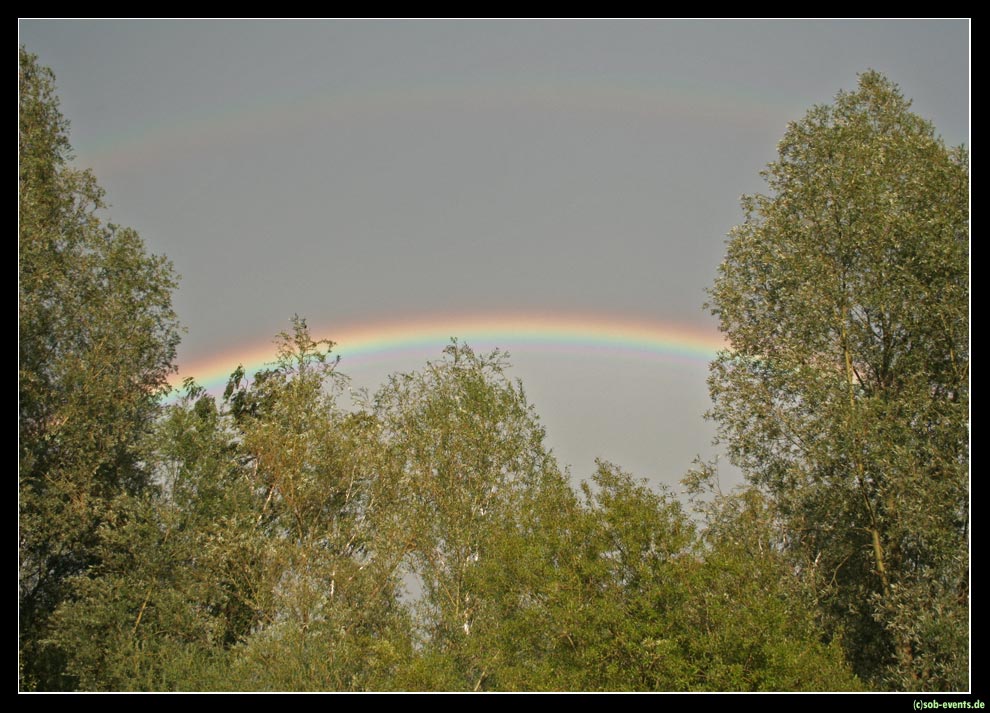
{"type": "Point", "coordinates": [97, 338]}
{"type": "Point", "coordinates": [844, 395]}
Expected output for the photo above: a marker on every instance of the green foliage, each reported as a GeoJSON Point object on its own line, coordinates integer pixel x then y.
{"type": "Point", "coordinates": [633, 544]}
{"type": "Point", "coordinates": [262, 562]}
{"type": "Point", "coordinates": [144, 618]}
{"type": "Point", "coordinates": [466, 453]}
{"type": "Point", "coordinates": [753, 620]}
{"type": "Point", "coordinates": [845, 394]}
{"type": "Point", "coordinates": [316, 559]}
{"type": "Point", "coordinates": [633, 597]}
{"type": "Point", "coordinates": [426, 539]}
{"type": "Point", "coordinates": [97, 337]}
{"type": "Point", "coordinates": [275, 553]}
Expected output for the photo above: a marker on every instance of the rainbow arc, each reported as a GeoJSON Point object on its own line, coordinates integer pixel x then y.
{"type": "Point", "coordinates": [425, 338]}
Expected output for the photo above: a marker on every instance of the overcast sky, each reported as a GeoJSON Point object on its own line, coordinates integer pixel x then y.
{"type": "Point", "coordinates": [363, 172]}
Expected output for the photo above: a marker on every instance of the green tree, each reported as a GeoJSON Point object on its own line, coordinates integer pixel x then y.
{"type": "Point", "coordinates": [466, 453]}
{"type": "Point", "coordinates": [97, 338]}
{"type": "Point", "coordinates": [328, 580]}
{"type": "Point", "coordinates": [263, 561]}
{"type": "Point", "coordinates": [748, 622]}
{"type": "Point", "coordinates": [844, 396]}
{"type": "Point", "coordinates": [626, 593]}
{"type": "Point", "coordinates": [524, 586]}
{"type": "Point", "coordinates": [180, 576]}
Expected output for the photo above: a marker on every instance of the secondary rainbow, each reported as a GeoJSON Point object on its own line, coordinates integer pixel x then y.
{"type": "Point", "coordinates": [246, 123]}
{"type": "Point", "coordinates": [425, 338]}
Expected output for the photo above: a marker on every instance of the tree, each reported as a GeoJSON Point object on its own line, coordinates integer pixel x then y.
{"type": "Point", "coordinates": [327, 580]}
{"type": "Point", "coordinates": [97, 338]}
{"type": "Point", "coordinates": [466, 452]}
{"type": "Point", "coordinates": [265, 559]}
{"type": "Point", "coordinates": [749, 623]}
{"type": "Point", "coordinates": [844, 395]}
{"type": "Point", "coordinates": [178, 571]}
{"type": "Point", "coordinates": [623, 592]}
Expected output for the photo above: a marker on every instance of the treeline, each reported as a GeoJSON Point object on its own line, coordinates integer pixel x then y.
{"type": "Point", "coordinates": [426, 538]}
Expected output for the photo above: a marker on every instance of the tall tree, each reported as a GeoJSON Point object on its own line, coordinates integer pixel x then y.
{"type": "Point", "coordinates": [97, 338]}
{"type": "Point", "coordinates": [331, 617]}
{"type": "Point", "coordinates": [844, 295]}
{"type": "Point", "coordinates": [267, 561]}
{"type": "Point", "coordinates": [467, 454]}
{"type": "Point", "coordinates": [180, 572]}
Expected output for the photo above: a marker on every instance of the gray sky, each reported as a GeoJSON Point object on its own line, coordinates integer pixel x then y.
{"type": "Point", "coordinates": [359, 172]}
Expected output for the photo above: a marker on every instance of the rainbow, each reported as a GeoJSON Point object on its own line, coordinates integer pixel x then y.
{"type": "Point", "coordinates": [361, 344]}
{"type": "Point", "coordinates": [249, 122]}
